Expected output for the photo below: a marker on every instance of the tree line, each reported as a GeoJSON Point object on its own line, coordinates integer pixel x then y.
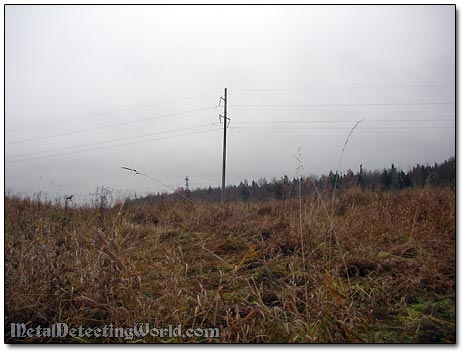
{"type": "Point", "coordinates": [388, 179]}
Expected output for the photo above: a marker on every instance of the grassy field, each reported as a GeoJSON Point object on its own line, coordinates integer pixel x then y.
{"type": "Point", "coordinates": [378, 268]}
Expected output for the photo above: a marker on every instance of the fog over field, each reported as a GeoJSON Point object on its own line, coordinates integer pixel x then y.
{"type": "Point", "coordinates": [89, 89]}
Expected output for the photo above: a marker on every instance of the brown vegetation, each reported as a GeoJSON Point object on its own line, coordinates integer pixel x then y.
{"type": "Point", "coordinates": [380, 269]}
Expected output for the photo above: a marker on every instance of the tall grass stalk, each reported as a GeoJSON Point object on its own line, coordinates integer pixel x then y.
{"type": "Point", "coordinates": [333, 198]}
{"type": "Point", "coordinates": [301, 234]}
{"type": "Point", "coordinates": [340, 161]}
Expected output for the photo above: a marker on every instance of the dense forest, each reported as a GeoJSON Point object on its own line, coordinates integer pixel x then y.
{"type": "Point", "coordinates": [391, 178]}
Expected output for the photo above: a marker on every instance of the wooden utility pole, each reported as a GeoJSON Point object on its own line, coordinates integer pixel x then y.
{"type": "Point", "coordinates": [225, 126]}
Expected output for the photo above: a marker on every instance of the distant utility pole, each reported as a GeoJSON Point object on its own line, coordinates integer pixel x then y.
{"type": "Point", "coordinates": [225, 126]}
{"type": "Point", "coordinates": [187, 187]}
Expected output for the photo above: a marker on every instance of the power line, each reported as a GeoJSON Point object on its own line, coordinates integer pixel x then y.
{"type": "Point", "coordinates": [111, 146]}
{"type": "Point", "coordinates": [111, 125]}
{"type": "Point", "coordinates": [157, 181]}
{"type": "Point", "coordinates": [111, 140]}
{"type": "Point", "coordinates": [346, 105]}
{"type": "Point", "coordinates": [349, 121]}
{"type": "Point", "coordinates": [350, 87]}
{"type": "Point", "coordinates": [136, 107]}
{"type": "Point", "coordinates": [343, 128]}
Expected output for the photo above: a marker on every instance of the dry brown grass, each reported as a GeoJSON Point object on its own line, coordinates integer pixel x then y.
{"type": "Point", "coordinates": [390, 277]}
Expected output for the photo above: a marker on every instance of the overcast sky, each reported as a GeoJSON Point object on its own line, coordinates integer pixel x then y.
{"type": "Point", "coordinates": [96, 77]}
